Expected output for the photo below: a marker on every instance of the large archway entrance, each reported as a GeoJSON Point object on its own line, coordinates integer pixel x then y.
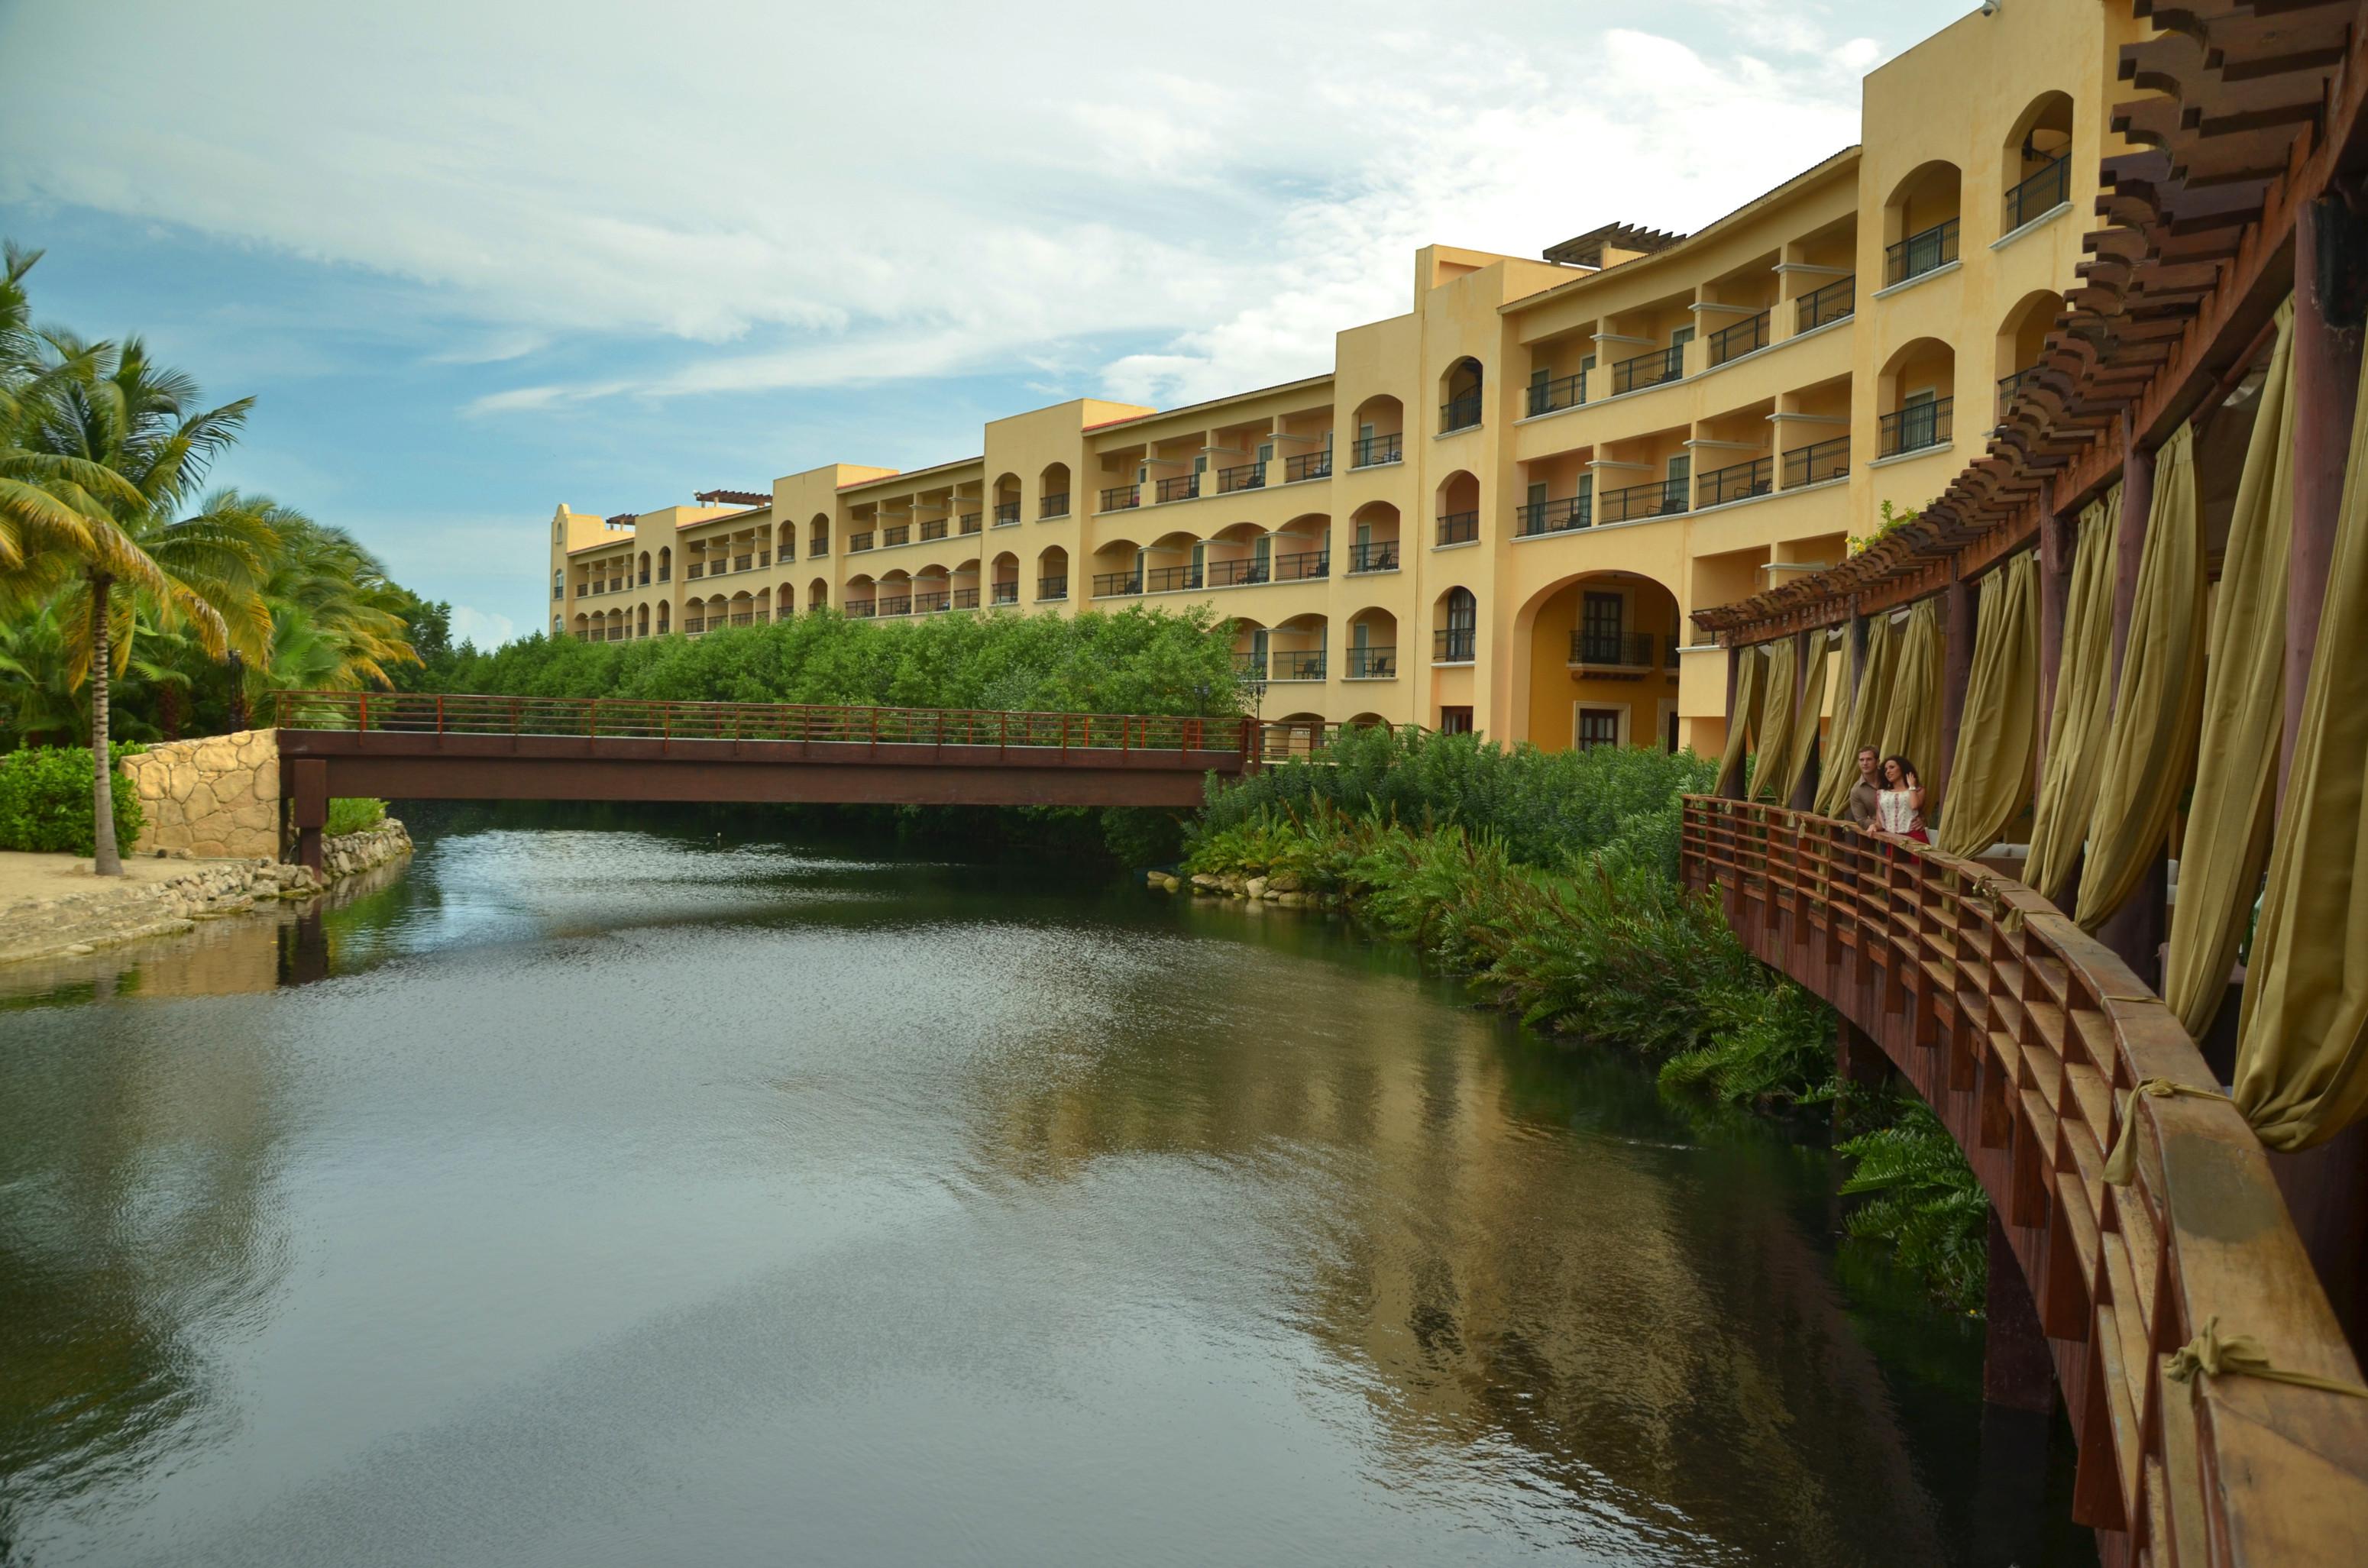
{"type": "Point", "coordinates": [1603, 655]}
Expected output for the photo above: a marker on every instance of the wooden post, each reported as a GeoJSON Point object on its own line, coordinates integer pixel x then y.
{"type": "Point", "coordinates": [2056, 554]}
{"type": "Point", "coordinates": [311, 807]}
{"type": "Point", "coordinates": [2138, 500]}
{"type": "Point", "coordinates": [2327, 345]}
{"type": "Point", "coordinates": [1804, 794]}
{"type": "Point", "coordinates": [2017, 1370]}
{"type": "Point", "coordinates": [1957, 674]}
{"type": "Point", "coordinates": [1735, 654]}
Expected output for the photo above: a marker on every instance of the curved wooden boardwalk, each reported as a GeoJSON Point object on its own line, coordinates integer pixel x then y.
{"type": "Point", "coordinates": [2022, 1032]}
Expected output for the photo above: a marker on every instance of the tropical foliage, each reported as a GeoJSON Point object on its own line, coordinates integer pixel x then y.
{"type": "Point", "coordinates": [133, 601]}
{"type": "Point", "coordinates": [45, 801]}
{"type": "Point", "coordinates": [1550, 880]}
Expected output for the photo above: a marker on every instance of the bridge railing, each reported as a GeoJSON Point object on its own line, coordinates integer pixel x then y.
{"type": "Point", "coordinates": [2025, 1035]}
{"type": "Point", "coordinates": [620, 719]}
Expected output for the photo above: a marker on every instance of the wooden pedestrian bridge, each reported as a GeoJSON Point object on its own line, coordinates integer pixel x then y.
{"type": "Point", "coordinates": [454, 747]}
{"type": "Point", "coordinates": [2200, 1366]}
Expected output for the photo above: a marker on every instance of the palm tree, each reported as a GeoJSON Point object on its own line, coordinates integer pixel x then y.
{"type": "Point", "coordinates": [121, 412]}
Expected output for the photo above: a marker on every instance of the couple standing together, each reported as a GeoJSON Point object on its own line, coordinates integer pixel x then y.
{"type": "Point", "coordinates": [1887, 798]}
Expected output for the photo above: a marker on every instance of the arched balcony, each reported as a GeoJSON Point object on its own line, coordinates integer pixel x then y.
{"type": "Point", "coordinates": [1052, 491]}
{"type": "Point", "coordinates": [1916, 400]}
{"type": "Point", "coordinates": [818, 595]}
{"type": "Point", "coordinates": [862, 597]}
{"type": "Point", "coordinates": [642, 569]}
{"type": "Point", "coordinates": [1919, 223]}
{"type": "Point", "coordinates": [1006, 500]}
{"type": "Point", "coordinates": [1459, 508]}
{"type": "Point", "coordinates": [1051, 575]}
{"type": "Point", "coordinates": [2036, 171]}
{"type": "Point", "coordinates": [2020, 336]}
{"type": "Point", "coordinates": [1460, 396]}
{"type": "Point", "coordinates": [932, 590]}
{"type": "Point", "coordinates": [1175, 563]}
{"type": "Point", "coordinates": [665, 564]}
{"type": "Point", "coordinates": [1297, 650]}
{"type": "Point", "coordinates": [1118, 570]}
{"type": "Point", "coordinates": [895, 595]}
{"type": "Point", "coordinates": [666, 617]}
{"type": "Point", "coordinates": [1454, 627]}
{"type": "Point", "coordinates": [1003, 580]}
{"type": "Point", "coordinates": [1601, 651]}
{"type": "Point", "coordinates": [1250, 646]}
{"type": "Point", "coordinates": [818, 534]}
{"type": "Point", "coordinates": [1380, 434]}
{"type": "Point", "coordinates": [1372, 650]}
{"type": "Point", "coordinates": [1374, 539]}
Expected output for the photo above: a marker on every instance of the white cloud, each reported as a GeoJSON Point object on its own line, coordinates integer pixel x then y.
{"type": "Point", "coordinates": [797, 197]}
{"type": "Point", "coordinates": [481, 627]}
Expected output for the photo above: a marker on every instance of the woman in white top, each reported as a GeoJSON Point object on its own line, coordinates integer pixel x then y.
{"type": "Point", "coordinates": [1899, 802]}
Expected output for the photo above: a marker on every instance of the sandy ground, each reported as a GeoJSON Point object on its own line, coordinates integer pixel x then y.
{"type": "Point", "coordinates": [28, 878]}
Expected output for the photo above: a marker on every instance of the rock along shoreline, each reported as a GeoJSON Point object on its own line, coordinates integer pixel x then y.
{"type": "Point", "coordinates": [110, 913]}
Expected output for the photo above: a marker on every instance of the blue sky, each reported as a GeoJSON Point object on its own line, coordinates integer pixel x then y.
{"type": "Point", "coordinates": [476, 259]}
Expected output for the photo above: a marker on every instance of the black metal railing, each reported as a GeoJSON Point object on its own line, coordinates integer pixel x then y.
{"type": "Point", "coordinates": [1532, 519]}
{"type": "Point", "coordinates": [966, 599]}
{"type": "Point", "coordinates": [1831, 304]}
{"type": "Point", "coordinates": [1816, 462]}
{"type": "Point", "coordinates": [1122, 497]}
{"type": "Point", "coordinates": [1743, 338]}
{"type": "Point", "coordinates": [1926, 251]}
{"type": "Point", "coordinates": [665, 573]}
{"type": "Point", "coordinates": [1051, 588]}
{"type": "Point", "coordinates": [739, 563]}
{"type": "Point", "coordinates": [1373, 663]}
{"type": "Point", "coordinates": [934, 528]}
{"type": "Point", "coordinates": [970, 522]}
{"type": "Point", "coordinates": [558, 590]}
{"type": "Point", "coordinates": [1183, 487]}
{"type": "Point", "coordinates": [1113, 585]}
{"type": "Point", "coordinates": [1458, 413]}
{"type": "Point", "coordinates": [1658, 499]}
{"type": "Point", "coordinates": [924, 604]}
{"type": "Point", "coordinates": [1243, 476]}
{"type": "Point", "coordinates": [1374, 450]}
{"type": "Point", "coordinates": [902, 604]}
{"type": "Point", "coordinates": [1292, 665]}
{"type": "Point", "coordinates": [1737, 481]}
{"type": "Point", "coordinates": [861, 609]}
{"type": "Point", "coordinates": [1568, 392]}
{"type": "Point", "coordinates": [1303, 566]}
{"type": "Point", "coordinates": [695, 571]}
{"type": "Point", "coordinates": [2049, 189]}
{"type": "Point", "coordinates": [643, 579]}
{"type": "Point", "coordinates": [1378, 555]}
{"type": "Point", "coordinates": [1238, 574]}
{"type": "Point", "coordinates": [2009, 385]}
{"type": "Point", "coordinates": [1459, 527]}
{"type": "Point", "coordinates": [1627, 651]}
{"type": "Point", "coordinates": [692, 625]}
{"type": "Point", "coordinates": [1453, 644]}
{"type": "Point", "coordinates": [894, 534]}
{"type": "Point", "coordinates": [1916, 426]}
{"type": "Point", "coordinates": [1005, 593]}
{"type": "Point", "coordinates": [1649, 369]}
{"type": "Point", "coordinates": [1307, 465]}
{"type": "Point", "coordinates": [818, 545]}
{"type": "Point", "coordinates": [1055, 505]}
{"type": "Point", "coordinates": [1250, 666]}
{"type": "Point", "coordinates": [1171, 579]}
{"type": "Point", "coordinates": [1006, 513]}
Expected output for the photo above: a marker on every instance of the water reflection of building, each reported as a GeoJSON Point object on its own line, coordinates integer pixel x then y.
{"type": "Point", "coordinates": [1636, 1320]}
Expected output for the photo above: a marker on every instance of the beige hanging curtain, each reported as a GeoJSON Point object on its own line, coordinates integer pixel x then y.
{"type": "Point", "coordinates": [2301, 1076]}
{"type": "Point", "coordinates": [2076, 731]}
{"type": "Point", "coordinates": [1911, 723]}
{"type": "Point", "coordinates": [1990, 782]}
{"type": "Point", "coordinates": [2226, 844]}
{"type": "Point", "coordinates": [1845, 699]}
{"type": "Point", "coordinates": [2159, 703]}
{"type": "Point", "coordinates": [1777, 706]}
{"type": "Point", "coordinates": [1867, 709]}
{"type": "Point", "coordinates": [1806, 717]}
{"type": "Point", "coordinates": [1743, 720]}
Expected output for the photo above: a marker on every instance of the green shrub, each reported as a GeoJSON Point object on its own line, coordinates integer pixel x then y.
{"type": "Point", "coordinates": [358, 814]}
{"type": "Point", "coordinates": [45, 801]}
{"type": "Point", "coordinates": [1927, 1203]}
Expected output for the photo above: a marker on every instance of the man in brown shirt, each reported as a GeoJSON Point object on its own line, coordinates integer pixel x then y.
{"type": "Point", "coordinates": [1858, 809]}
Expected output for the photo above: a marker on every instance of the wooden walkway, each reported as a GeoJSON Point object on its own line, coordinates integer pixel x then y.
{"type": "Point", "coordinates": [2022, 1032]}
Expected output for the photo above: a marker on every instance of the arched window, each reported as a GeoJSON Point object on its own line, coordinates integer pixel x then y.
{"type": "Point", "coordinates": [1459, 627]}
{"type": "Point", "coordinates": [2037, 174]}
{"type": "Point", "coordinates": [1460, 388]}
{"type": "Point", "coordinates": [559, 585]}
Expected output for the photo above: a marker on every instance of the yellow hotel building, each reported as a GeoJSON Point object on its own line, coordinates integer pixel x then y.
{"type": "Point", "coordinates": [1497, 510]}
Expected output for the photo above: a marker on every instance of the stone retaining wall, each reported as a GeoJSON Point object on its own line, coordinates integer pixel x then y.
{"type": "Point", "coordinates": [357, 852]}
{"type": "Point", "coordinates": [213, 797]}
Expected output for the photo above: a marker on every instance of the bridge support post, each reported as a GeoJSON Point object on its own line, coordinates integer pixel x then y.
{"type": "Point", "coordinates": [1857, 1058]}
{"type": "Point", "coordinates": [2055, 597]}
{"type": "Point", "coordinates": [2016, 1371]}
{"type": "Point", "coordinates": [310, 798]}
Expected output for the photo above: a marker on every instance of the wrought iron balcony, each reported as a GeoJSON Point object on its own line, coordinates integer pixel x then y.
{"type": "Point", "coordinates": [1831, 304]}
{"type": "Point", "coordinates": [1623, 651]}
{"type": "Point", "coordinates": [966, 599]}
{"type": "Point", "coordinates": [1183, 487]}
{"type": "Point", "coordinates": [1307, 465]}
{"type": "Point", "coordinates": [1289, 665]}
{"type": "Point", "coordinates": [1239, 572]}
{"type": "Point", "coordinates": [896, 533]}
{"type": "Point", "coordinates": [902, 604]}
{"type": "Point", "coordinates": [1006, 593]}
{"type": "Point", "coordinates": [1453, 644]}
{"type": "Point", "coordinates": [854, 542]}
{"type": "Point", "coordinates": [1926, 251]}
{"type": "Point", "coordinates": [1381, 555]}
{"type": "Point", "coordinates": [2009, 385]}
{"type": "Point", "coordinates": [1116, 584]}
{"type": "Point", "coordinates": [1250, 666]}
{"type": "Point", "coordinates": [1918, 426]}
{"type": "Point", "coordinates": [1122, 497]}
{"type": "Point", "coordinates": [1738, 481]}
{"type": "Point", "coordinates": [1659, 499]}
{"type": "Point", "coordinates": [1459, 527]}
{"type": "Point", "coordinates": [970, 522]}
{"type": "Point", "coordinates": [1373, 663]}
{"type": "Point", "coordinates": [1243, 476]}
{"type": "Point", "coordinates": [1051, 588]}
{"type": "Point", "coordinates": [1816, 462]}
{"type": "Point", "coordinates": [1545, 397]}
{"type": "Point", "coordinates": [1006, 513]}
{"type": "Point", "coordinates": [2043, 192]}
{"type": "Point", "coordinates": [1534, 518]}
{"type": "Point", "coordinates": [1055, 504]}
{"type": "Point", "coordinates": [1374, 450]}
{"type": "Point", "coordinates": [923, 604]}
{"type": "Point", "coordinates": [1649, 369]}
{"type": "Point", "coordinates": [1458, 413]}
{"type": "Point", "coordinates": [861, 609]}
{"type": "Point", "coordinates": [1733, 342]}
{"type": "Point", "coordinates": [935, 528]}
{"type": "Point", "coordinates": [1171, 579]}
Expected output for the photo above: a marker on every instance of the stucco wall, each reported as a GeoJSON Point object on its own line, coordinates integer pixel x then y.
{"type": "Point", "coordinates": [216, 796]}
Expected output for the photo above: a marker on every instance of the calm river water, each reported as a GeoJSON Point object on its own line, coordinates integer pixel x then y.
{"type": "Point", "coordinates": [613, 1197]}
